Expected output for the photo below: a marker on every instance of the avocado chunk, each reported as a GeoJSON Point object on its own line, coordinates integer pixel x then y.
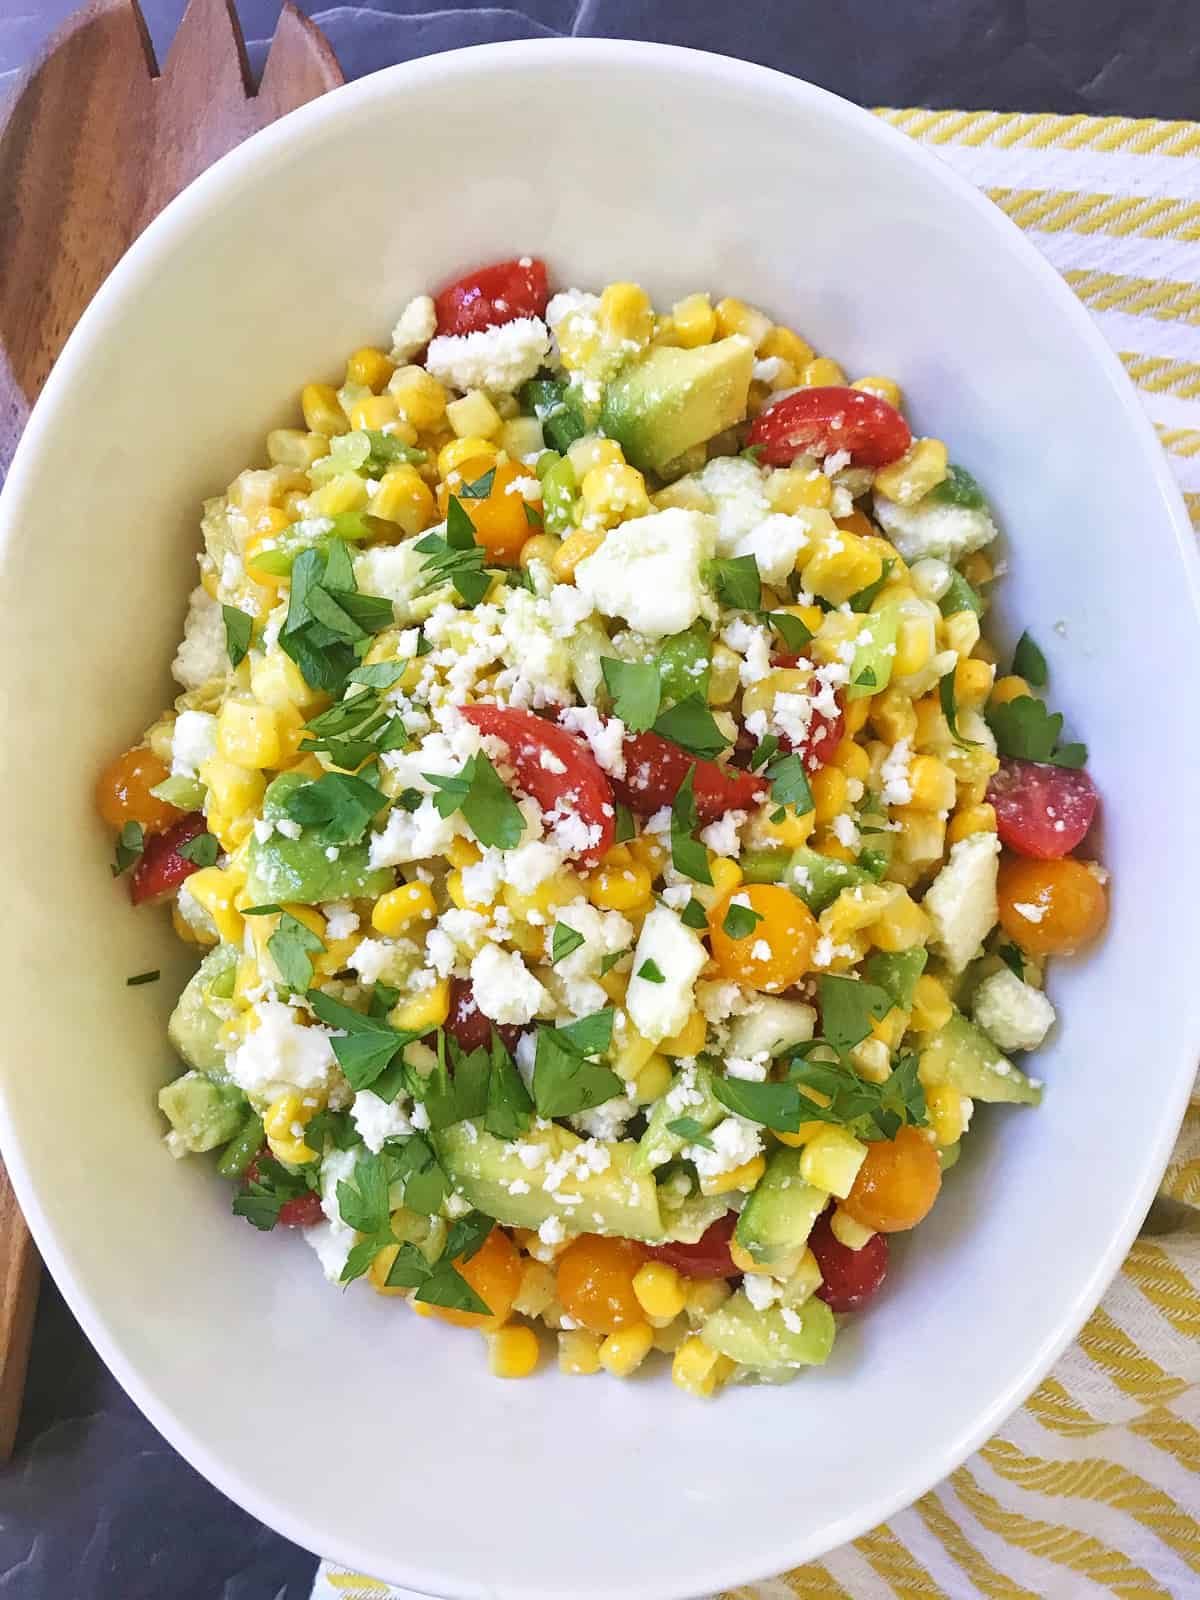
{"type": "Point", "coordinates": [896, 972]}
{"type": "Point", "coordinates": [659, 1144]}
{"type": "Point", "coordinates": [202, 1114]}
{"type": "Point", "coordinates": [763, 1340]}
{"type": "Point", "coordinates": [672, 399]}
{"type": "Point", "coordinates": [620, 1200]}
{"type": "Point", "coordinates": [279, 869]}
{"type": "Point", "coordinates": [195, 1025]}
{"type": "Point", "coordinates": [962, 1055]}
{"type": "Point", "coordinates": [818, 879]}
{"type": "Point", "coordinates": [871, 669]}
{"type": "Point", "coordinates": [779, 1215]}
{"type": "Point", "coordinates": [772, 1024]}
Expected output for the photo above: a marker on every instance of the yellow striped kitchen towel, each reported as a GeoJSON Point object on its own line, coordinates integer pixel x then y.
{"type": "Point", "coordinates": [1092, 1489]}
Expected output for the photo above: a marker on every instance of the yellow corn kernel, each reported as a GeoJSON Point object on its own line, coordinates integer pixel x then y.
{"type": "Point", "coordinates": [704, 1296]}
{"type": "Point", "coordinates": [694, 321]}
{"type": "Point", "coordinates": [890, 1028]}
{"type": "Point", "coordinates": [723, 675]}
{"type": "Point", "coordinates": [831, 1160]}
{"type": "Point", "coordinates": [745, 1262]}
{"type": "Point", "coordinates": [689, 1041]}
{"type": "Point", "coordinates": [885, 388]}
{"type": "Point", "coordinates": [558, 890]}
{"type": "Point", "coordinates": [743, 1177]}
{"type": "Point", "coordinates": [344, 492]}
{"type": "Point", "coordinates": [283, 1117]}
{"type": "Point", "coordinates": [539, 1289]}
{"type": "Point", "coordinates": [369, 366]}
{"type": "Point", "coordinates": [654, 1079]}
{"type": "Point", "coordinates": [214, 888]}
{"type": "Point", "coordinates": [458, 895]}
{"type": "Point", "coordinates": [266, 527]}
{"type": "Point", "coordinates": [659, 1290]}
{"type": "Point", "coordinates": [931, 1007]}
{"type": "Point", "coordinates": [293, 447]}
{"type": "Point", "coordinates": [210, 583]}
{"type": "Point", "coordinates": [652, 850]}
{"type": "Point", "coordinates": [853, 760]}
{"type": "Point", "coordinates": [619, 883]}
{"type": "Point", "coordinates": [786, 345]}
{"type": "Point", "coordinates": [474, 416]}
{"type": "Point", "coordinates": [857, 908]}
{"type": "Point", "coordinates": [902, 925]}
{"type": "Point", "coordinates": [248, 734]}
{"type": "Point", "coordinates": [761, 696]}
{"type": "Point", "coordinates": [840, 565]}
{"type": "Point", "coordinates": [790, 488]}
{"type": "Point", "coordinates": [542, 547]}
{"type": "Point", "coordinates": [426, 1009]}
{"type": "Point", "coordinates": [1009, 688]}
{"type": "Point", "coordinates": [857, 713]}
{"type": "Point", "coordinates": [822, 374]}
{"type": "Point", "coordinates": [420, 398]}
{"type": "Point", "coordinates": [513, 1352]}
{"type": "Point", "coordinates": [576, 547]}
{"type": "Point", "coordinates": [234, 789]}
{"type": "Point", "coordinates": [613, 493]}
{"type": "Point", "coordinates": [322, 409]}
{"type": "Point", "coordinates": [625, 314]}
{"type": "Point", "coordinates": [792, 830]}
{"type": "Point", "coordinates": [725, 874]}
{"type": "Point", "coordinates": [336, 955]}
{"type": "Point", "coordinates": [623, 1352]}
{"type": "Point", "coordinates": [697, 1369]}
{"type": "Point", "coordinates": [276, 681]}
{"type": "Point", "coordinates": [828, 785]}
{"type": "Point", "coordinates": [915, 640]}
{"type": "Point", "coordinates": [463, 852]}
{"type": "Point", "coordinates": [977, 569]}
{"type": "Point", "coordinates": [827, 843]}
{"type": "Point", "coordinates": [921, 468]}
{"type": "Point", "coordinates": [578, 1353]}
{"type": "Point", "coordinates": [405, 498]}
{"type": "Point", "coordinates": [972, 683]}
{"type": "Point", "coordinates": [932, 784]}
{"type": "Point", "coordinates": [948, 1111]}
{"type": "Point", "coordinates": [872, 1060]}
{"type": "Point", "coordinates": [892, 716]}
{"type": "Point", "coordinates": [190, 935]}
{"type": "Point", "coordinates": [454, 455]}
{"type": "Point", "coordinates": [849, 1232]}
{"type": "Point", "coordinates": [669, 1336]}
{"type": "Point", "coordinates": [971, 819]}
{"type": "Point", "coordinates": [592, 451]}
{"type": "Point", "coordinates": [411, 902]}
{"type": "Point", "coordinates": [373, 411]}
{"type": "Point", "coordinates": [922, 838]}
{"type": "Point", "coordinates": [735, 316]}
{"type": "Point", "coordinates": [962, 632]}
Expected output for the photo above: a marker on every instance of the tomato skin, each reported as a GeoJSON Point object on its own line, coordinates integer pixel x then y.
{"type": "Point", "coordinates": [709, 1257]}
{"type": "Point", "coordinates": [1042, 810]}
{"type": "Point", "coordinates": [499, 519]}
{"type": "Point", "coordinates": [786, 927]}
{"type": "Point", "coordinates": [492, 296]}
{"type": "Point", "coordinates": [849, 1277]}
{"type": "Point", "coordinates": [529, 738]}
{"type": "Point", "coordinates": [897, 1183]}
{"type": "Point", "coordinates": [123, 792]}
{"type": "Point", "coordinates": [595, 1282]}
{"type": "Point", "coordinates": [1069, 904]}
{"type": "Point", "coordinates": [655, 769]}
{"type": "Point", "coordinates": [824, 420]}
{"type": "Point", "coordinates": [467, 1025]}
{"type": "Point", "coordinates": [160, 869]}
{"type": "Point", "coordinates": [302, 1212]}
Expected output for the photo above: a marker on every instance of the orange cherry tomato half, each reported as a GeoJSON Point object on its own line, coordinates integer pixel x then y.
{"type": "Point", "coordinates": [1050, 908]}
{"type": "Point", "coordinates": [494, 1272]}
{"type": "Point", "coordinates": [897, 1183]}
{"type": "Point", "coordinates": [777, 951]}
{"type": "Point", "coordinates": [123, 792]}
{"type": "Point", "coordinates": [595, 1282]}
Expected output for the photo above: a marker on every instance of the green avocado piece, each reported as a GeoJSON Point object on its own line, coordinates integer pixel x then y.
{"type": "Point", "coordinates": [818, 879]}
{"type": "Point", "coordinates": [202, 1114]}
{"type": "Point", "coordinates": [486, 1170]}
{"type": "Point", "coordinates": [897, 972]}
{"type": "Point", "coordinates": [194, 1028]}
{"type": "Point", "coordinates": [778, 1217]}
{"type": "Point", "coordinates": [764, 1341]}
{"type": "Point", "coordinates": [279, 869]}
{"type": "Point", "coordinates": [658, 1144]}
{"type": "Point", "coordinates": [672, 399]}
{"type": "Point", "coordinates": [871, 669]}
{"type": "Point", "coordinates": [684, 662]}
{"type": "Point", "coordinates": [961, 1054]}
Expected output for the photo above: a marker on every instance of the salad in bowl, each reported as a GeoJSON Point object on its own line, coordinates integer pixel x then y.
{"type": "Point", "coordinates": [618, 863]}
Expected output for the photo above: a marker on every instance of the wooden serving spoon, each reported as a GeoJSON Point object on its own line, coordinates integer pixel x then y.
{"type": "Point", "coordinates": [93, 144]}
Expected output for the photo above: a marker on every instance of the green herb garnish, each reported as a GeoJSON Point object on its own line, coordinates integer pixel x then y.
{"type": "Point", "coordinates": [478, 792]}
{"type": "Point", "coordinates": [636, 691]}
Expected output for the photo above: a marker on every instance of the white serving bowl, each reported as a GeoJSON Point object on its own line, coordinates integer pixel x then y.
{"type": "Point", "coordinates": [350, 1425]}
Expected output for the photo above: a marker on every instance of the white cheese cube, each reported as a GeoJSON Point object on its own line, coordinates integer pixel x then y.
{"type": "Point", "coordinates": [648, 571]}
{"type": "Point", "coordinates": [660, 1009]}
{"type": "Point", "coordinates": [961, 900]}
{"type": "Point", "coordinates": [1013, 1014]}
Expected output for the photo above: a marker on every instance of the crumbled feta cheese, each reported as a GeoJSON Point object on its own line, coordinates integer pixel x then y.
{"type": "Point", "coordinates": [647, 571]}
{"type": "Point", "coordinates": [894, 774]}
{"type": "Point", "coordinates": [1028, 910]}
{"type": "Point", "coordinates": [376, 1120]}
{"type": "Point", "coordinates": [962, 901]}
{"type": "Point", "coordinates": [735, 487]}
{"type": "Point", "coordinates": [395, 572]}
{"type": "Point", "coordinates": [752, 1068]}
{"type": "Point", "coordinates": [414, 330]}
{"type": "Point", "coordinates": [341, 919]}
{"type": "Point", "coordinates": [721, 836]}
{"type": "Point", "coordinates": [607, 1121]}
{"type": "Point", "coordinates": [761, 1290]}
{"type": "Point", "coordinates": [661, 1009]}
{"type": "Point", "coordinates": [193, 740]}
{"type": "Point", "coordinates": [288, 828]}
{"type": "Point", "coordinates": [333, 1239]}
{"type": "Point", "coordinates": [497, 360]}
{"type": "Point", "coordinates": [1013, 1014]}
{"type": "Point", "coordinates": [505, 989]}
{"type": "Point", "coordinates": [201, 654]}
{"type": "Point", "coordinates": [372, 959]}
{"type": "Point", "coordinates": [734, 1142]}
{"type": "Point", "coordinates": [280, 1054]}
{"type": "Point", "coordinates": [606, 739]}
{"type": "Point", "coordinates": [929, 528]}
{"type": "Point", "coordinates": [412, 836]}
{"type": "Point", "coordinates": [775, 542]}
{"type": "Point", "coordinates": [552, 1231]}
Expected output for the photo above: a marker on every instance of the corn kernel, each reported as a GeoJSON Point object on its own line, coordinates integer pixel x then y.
{"type": "Point", "coordinates": [293, 447]}
{"type": "Point", "coordinates": [921, 468]}
{"type": "Point", "coordinates": [857, 713]}
{"type": "Point", "coordinates": [542, 547]}
{"type": "Point", "coordinates": [902, 925]}
{"type": "Point", "coordinates": [884, 388]}
{"type": "Point", "coordinates": [831, 1160]}
{"type": "Point", "coordinates": [322, 409]}
{"type": "Point", "coordinates": [853, 760]}
{"type": "Point", "coordinates": [890, 1028]}
{"type": "Point", "coordinates": [735, 316]}
{"type": "Point", "coordinates": [619, 883]}
{"type": "Point", "coordinates": [790, 488]}
{"type": "Point", "coordinates": [704, 1296]}
{"type": "Point", "coordinates": [232, 788]}
{"type": "Point", "coordinates": [405, 498]}
{"type": "Point", "coordinates": [283, 1116]}
{"type": "Point", "coordinates": [697, 1369]}
{"type": "Point", "coordinates": [948, 1111]}
{"type": "Point", "coordinates": [840, 565]}
{"type": "Point", "coordinates": [962, 632]}
{"type": "Point", "coordinates": [623, 1352]}
{"type": "Point", "coordinates": [659, 1290]}
{"type": "Point", "coordinates": [513, 1352]}
{"type": "Point", "coordinates": [592, 451]}
{"type": "Point", "coordinates": [922, 839]}
{"type": "Point", "coordinates": [248, 734]}
{"type": "Point", "coordinates": [972, 683]}
{"type": "Point", "coordinates": [893, 717]}
{"type": "Point", "coordinates": [424, 1010]}
{"type": "Point", "coordinates": [915, 640]}
{"type": "Point", "coordinates": [822, 374]}
{"type": "Point", "coordinates": [671, 1336]}
{"type": "Point", "coordinates": [689, 1041]}
{"type": "Point", "coordinates": [694, 321]}
{"type": "Point", "coordinates": [373, 411]}
{"type": "Point", "coordinates": [411, 902]}
{"type": "Point", "coordinates": [654, 1079]}
{"type": "Point", "coordinates": [872, 1060]}
{"type": "Point", "coordinates": [849, 1232]}
{"type": "Point", "coordinates": [459, 451]}
{"type": "Point", "coordinates": [826, 843]}
{"type": "Point", "coordinates": [971, 819]}
{"type": "Point", "coordinates": [576, 547]}
{"type": "Point", "coordinates": [828, 785]}
{"type": "Point", "coordinates": [578, 1353]}
{"type": "Point", "coordinates": [625, 314]}
{"type": "Point", "coordinates": [463, 852]}
{"type": "Point", "coordinates": [474, 416]}
{"type": "Point", "coordinates": [742, 1177]}
{"type": "Point", "coordinates": [538, 1288]}
{"type": "Point", "coordinates": [792, 830]}
{"type": "Point", "coordinates": [1009, 688]}
{"type": "Point", "coordinates": [420, 398]}
{"type": "Point", "coordinates": [977, 569]}
{"type": "Point", "coordinates": [786, 345]}
{"type": "Point", "coordinates": [931, 1007]}
{"type": "Point", "coordinates": [214, 888]}
{"type": "Point", "coordinates": [932, 784]}
{"type": "Point", "coordinates": [346, 491]}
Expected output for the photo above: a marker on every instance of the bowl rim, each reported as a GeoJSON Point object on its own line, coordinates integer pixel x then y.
{"type": "Point", "coordinates": [119, 290]}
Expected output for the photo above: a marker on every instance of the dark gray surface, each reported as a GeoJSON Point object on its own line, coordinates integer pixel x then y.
{"type": "Point", "coordinates": [96, 1506]}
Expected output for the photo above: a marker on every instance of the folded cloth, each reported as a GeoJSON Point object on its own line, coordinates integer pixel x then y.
{"type": "Point", "coordinates": [1093, 1487]}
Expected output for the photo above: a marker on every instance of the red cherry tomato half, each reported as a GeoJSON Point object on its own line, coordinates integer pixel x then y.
{"type": "Point", "coordinates": [571, 780]}
{"type": "Point", "coordinates": [822, 421]}
{"type": "Point", "coordinates": [655, 768]}
{"type": "Point", "coordinates": [302, 1212]}
{"type": "Point", "coordinates": [1041, 810]}
{"type": "Point", "coordinates": [493, 295]}
{"type": "Point", "coordinates": [850, 1277]}
{"type": "Point", "coordinates": [160, 868]}
{"type": "Point", "coordinates": [821, 739]}
{"type": "Point", "coordinates": [468, 1026]}
{"type": "Point", "coordinates": [709, 1257]}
